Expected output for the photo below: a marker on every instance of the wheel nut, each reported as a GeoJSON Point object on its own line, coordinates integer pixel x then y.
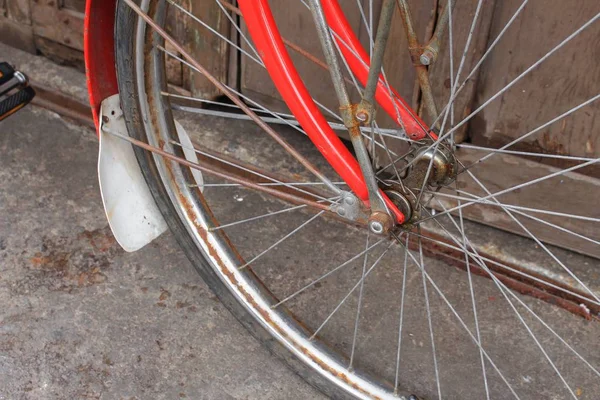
{"type": "Point", "coordinates": [380, 223]}
{"type": "Point", "coordinates": [376, 227]}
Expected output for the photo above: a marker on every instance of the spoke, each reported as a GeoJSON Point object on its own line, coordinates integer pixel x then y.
{"type": "Point", "coordinates": [473, 303]}
{"type": "Point", "coordinates": [220, 35]}
{"type": "Point", "coordinates": [223, 88]}
{"type": "Point", "coordinates": [270, 214]}
{"type": "Point", "coordinates": [516, 210]}
{"type": "Point", "coordinates": [328, 273]}
{"type": "Point", "coordinates": [518, 78]}
{"type": "Point", "coordinates": [458, 317]}
{"type": "Point", "coordinates": [539, 243]}
{"type": "Point", "coordinates": [359, 283]}
{"type": "Point", "coordinates": [511, 189]}
{"type": "Point", "coordinates": [428, 309]}
{"type": "Point", "coordinates": [508, 268]}
{"type": "Point", "coordinates": [250, 171]}
{"type": "Point", "coordinates": [278, 118]}
{"type": "Point", "coordinates": [521, 153]}
{"type": "Point", "coordinates": [476, 199]}
{"type": "Point", "coordinates": [401, 319]}
{"type": "Point", "coordinates": [481, 261]}
{"type": "Point", "coordinates": [453, 89]}
{"type": "Point", "coordinates": [502, 288]}
{"type": "Point", "coordinates": [283, 239]}
{"type": "Point", "coordinates": [539, 128]}
{"type": "Point", "coordinates": [463, 58]}
{"type": "Point", "coordinates": [236, 25]}
{"type": "Point", "coordinates": [359, 305]}
{"type": "Point", "coordinates": [484, 56]}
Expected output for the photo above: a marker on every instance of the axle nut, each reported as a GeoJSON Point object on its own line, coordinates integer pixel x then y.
{"type": "Point", "coordinates": [380, 223]}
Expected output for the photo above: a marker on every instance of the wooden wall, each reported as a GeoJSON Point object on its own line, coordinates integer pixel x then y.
{"type": "Point", "coordinates": [572, 75]}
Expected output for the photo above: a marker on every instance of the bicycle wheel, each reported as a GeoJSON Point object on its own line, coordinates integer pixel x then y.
{"type": "Point", "coordinates": [358, 314]}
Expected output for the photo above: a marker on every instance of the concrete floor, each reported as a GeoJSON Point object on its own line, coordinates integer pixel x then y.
{"type": "Point", "coordinates": [83, 319]}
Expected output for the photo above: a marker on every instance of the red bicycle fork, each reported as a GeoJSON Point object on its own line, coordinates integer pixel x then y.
{"type": "Point", "coordinates": [102, 81]}
{"type": "Point", "coordinates": [270, 46]}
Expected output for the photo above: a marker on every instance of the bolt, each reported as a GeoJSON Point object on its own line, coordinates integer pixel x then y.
{"type": "Point", "coordinates": [376, 227]}
{"type": "Point", "coordinates": [427, 57]}
{"type": "Point", "coordinates": [341, 212]}
{"type": "Point", "coordinates": [350, 200]}
{"type": "Point", "coordinates": [362, 116]}
{"type": "Point", "coordinates": [105, 119]}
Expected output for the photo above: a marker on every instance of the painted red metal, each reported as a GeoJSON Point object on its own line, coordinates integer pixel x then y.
{"type": "Point", "coordinates": [99, 48]}
{"type": "Point", "coordinates": [270, 46]}
{"type": "Point", "coordinates": [358, 60]}
{"type": "Point", "coordinates": [102, 79]}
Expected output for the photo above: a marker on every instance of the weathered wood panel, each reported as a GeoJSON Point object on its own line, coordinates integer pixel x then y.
{"type": "Point", "coordinates": [54, 22]}
{"type": "Point", "coordinates": [566, 79]}
{"type": "Point", "coordinates": [569, 193]}
{"type": "Point", "coordinates": [15, 24]}
{"type": "Point", "coordinates": [463, 15]}
{"type": "Point", "coordinates": [205, 46]}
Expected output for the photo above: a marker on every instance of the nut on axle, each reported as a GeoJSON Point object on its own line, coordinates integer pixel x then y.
{"type": "Point", "coordinates": [380, 223]}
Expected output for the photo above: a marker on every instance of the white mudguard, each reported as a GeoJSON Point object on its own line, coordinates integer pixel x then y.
{"type": "Point", "coordinates": [132, 213]}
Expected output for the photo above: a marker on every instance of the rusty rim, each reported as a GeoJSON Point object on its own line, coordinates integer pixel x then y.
{"type": "Point", "coordinates": [210, 237]}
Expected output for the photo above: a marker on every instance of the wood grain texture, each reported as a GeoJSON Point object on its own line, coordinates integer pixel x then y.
{"type": "Point", "coordinates": [62, 25]}
{"type": "Point", "coordinates": [463, 15]}
{"type": "Point", "coordinates": [566, 79]}
{"type": "Point", "coordinates": [15, 24]}
{"type": "Point", "coordinates": [570, 193]}
{"type": "Point", "coordinates": [205, 46]}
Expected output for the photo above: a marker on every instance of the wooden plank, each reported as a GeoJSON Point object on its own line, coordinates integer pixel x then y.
{"type": "Point", "coordinates": [60, 25]}
{"type": "Point", "coordinates": [566, 79]}
{"type": "Point", "coordinates": [570, 193]}
{"type": "Point", "coordinates": [205, 46]}
{"type": "Point", "coordinates": [439, 73]}
{"type": "Point", "coordinates": [15, 25]}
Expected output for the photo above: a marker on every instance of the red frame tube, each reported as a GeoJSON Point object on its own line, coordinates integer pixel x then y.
{"type": "Point", "coordinates": [102, 80]}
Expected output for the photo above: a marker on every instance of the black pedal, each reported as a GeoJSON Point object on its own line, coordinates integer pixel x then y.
{"type": "Point", "coordinates": [15, 92]}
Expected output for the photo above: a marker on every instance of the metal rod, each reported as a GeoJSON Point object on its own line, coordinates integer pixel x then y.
{"type": "Point", "coordinates": [383, 32]}
{"type": "Point", "coordinates": [415, 50]}
{"type": "Point", "coordinates": [225, 90]}
{"type": "Point", "coordinates": [223, 175]}
{"type": "Point", "coordinates": [347, 109]}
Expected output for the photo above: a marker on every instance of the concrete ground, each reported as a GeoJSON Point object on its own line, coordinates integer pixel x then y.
{"type": "Point", "coordinates": [83, 319]}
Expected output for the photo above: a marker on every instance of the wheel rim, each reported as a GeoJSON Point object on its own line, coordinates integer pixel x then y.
{"type": "Point", "coordinates": [216, 247]}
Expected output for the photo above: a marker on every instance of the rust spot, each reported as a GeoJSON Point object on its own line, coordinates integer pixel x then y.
{"type": "Point", "coordinates": [164, 295]}
{"type": "Point", "coordinates": [100, 239]}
